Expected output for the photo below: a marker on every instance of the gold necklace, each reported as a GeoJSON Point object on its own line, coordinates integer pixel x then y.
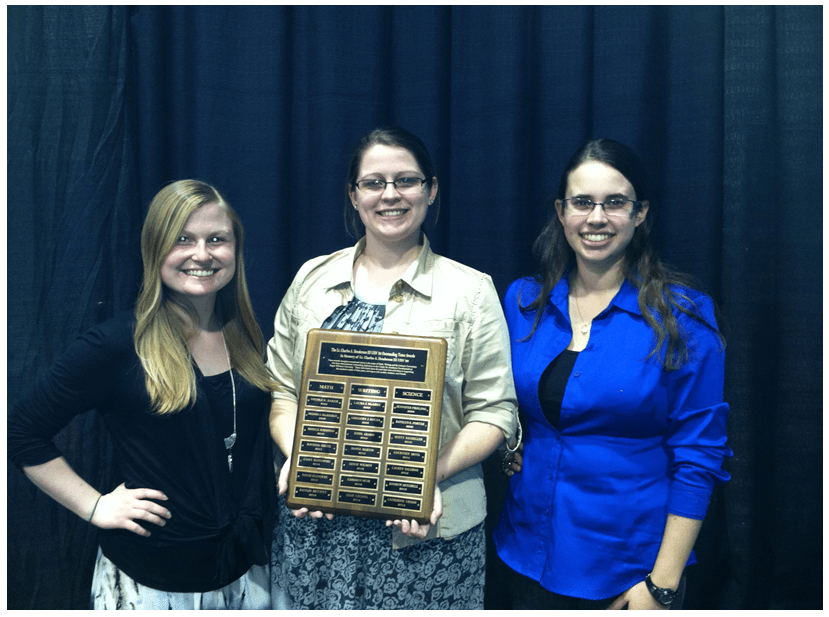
{"type": "Point", "coordinates": [585, 325]}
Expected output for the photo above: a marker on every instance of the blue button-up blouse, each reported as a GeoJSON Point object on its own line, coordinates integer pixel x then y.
{"type": "Point", "coordinates": [586, 514]}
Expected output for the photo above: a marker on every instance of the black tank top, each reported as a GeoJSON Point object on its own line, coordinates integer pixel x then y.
{"type": "Point", "coordinates": [552, 384]}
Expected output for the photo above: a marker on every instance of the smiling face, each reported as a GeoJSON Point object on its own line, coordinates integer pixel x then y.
{"type": "Point", "coordinates": [392, 218]}
{"type": "Point", "coordinates": [203, 259]}
{"type": "Point", "coordinates": [599, 240]}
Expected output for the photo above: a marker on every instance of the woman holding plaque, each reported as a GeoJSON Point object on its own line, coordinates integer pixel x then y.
{"type": "Point", "coordinates": [392, 282]}
{"type": "Point", "coordinates": [181, 384]}
{"type": "Point", "coordinates": [619, 370]}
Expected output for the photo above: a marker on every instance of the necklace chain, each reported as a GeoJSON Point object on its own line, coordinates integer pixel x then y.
{"type": "Point", "coordinates": [585, 325]}
{"type": "Point", "coordinates": [231, 440]}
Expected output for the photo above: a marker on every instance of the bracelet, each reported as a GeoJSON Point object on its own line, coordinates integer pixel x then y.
{"type": "Point", "coordinates": [95, 507]}
{"type": "Point", "coordinates": [518, 442]}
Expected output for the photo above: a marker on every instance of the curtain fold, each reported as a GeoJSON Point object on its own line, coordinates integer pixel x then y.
{"type": "Point", "coordinates": [724, 104]}
{"type": "Point", "coordinates": [772, 293]}
{"type": "Point", "coordinates": [72, 256]}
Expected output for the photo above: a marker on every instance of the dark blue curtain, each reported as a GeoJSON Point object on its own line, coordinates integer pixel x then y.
{"type": "Point", "coordinates": [108, 104]}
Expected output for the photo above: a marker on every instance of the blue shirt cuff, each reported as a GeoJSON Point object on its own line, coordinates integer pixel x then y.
{"type": "Point", "coordinates": [688, 502]}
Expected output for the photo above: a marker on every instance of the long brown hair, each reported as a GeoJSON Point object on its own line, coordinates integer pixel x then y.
{"type": "Point", "coordinates": [161, 332]}
{"type": "Point", "coordinates": [659, 287]}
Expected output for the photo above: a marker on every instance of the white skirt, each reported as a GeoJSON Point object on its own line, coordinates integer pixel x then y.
{"type": "Point", "coordinates": [112, 589]}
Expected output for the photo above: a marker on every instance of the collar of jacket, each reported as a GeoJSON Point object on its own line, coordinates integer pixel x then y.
{"type": "Point", "coordinates": [418, 277]}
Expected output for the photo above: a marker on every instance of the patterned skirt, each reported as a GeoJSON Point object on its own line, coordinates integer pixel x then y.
{"type": "Point", "coordinates": [349, 563]}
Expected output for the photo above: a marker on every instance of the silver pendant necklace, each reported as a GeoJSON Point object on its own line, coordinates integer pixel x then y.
{"type": "Point", "coordinates": [231, 440]}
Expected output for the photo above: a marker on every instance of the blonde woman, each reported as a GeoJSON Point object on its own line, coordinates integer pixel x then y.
{"type": "Point", "coordinates": [182, 387]}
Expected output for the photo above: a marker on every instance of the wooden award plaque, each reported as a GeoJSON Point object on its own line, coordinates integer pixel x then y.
{"type": "Point", "coordinates": [367, 426]}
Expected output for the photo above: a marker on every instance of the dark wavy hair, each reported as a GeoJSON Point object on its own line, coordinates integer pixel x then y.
{"type": "Point", "coordinates": [659, 287]}
{"type": "Point", "coordinates": [395, 137]}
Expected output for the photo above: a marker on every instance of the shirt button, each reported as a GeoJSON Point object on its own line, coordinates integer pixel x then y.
{"type": "Point", "coordinates": [576, 374]}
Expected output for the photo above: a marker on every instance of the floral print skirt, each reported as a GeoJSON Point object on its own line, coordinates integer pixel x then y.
{"type": "Point", "coordinates": [349, 563]}
{"type": "Point", "coordinates": [112, 589]}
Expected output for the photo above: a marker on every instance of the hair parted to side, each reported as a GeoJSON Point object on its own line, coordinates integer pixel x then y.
{"type": "Point", "coordinates": [161, 329]}
{"type": "Point", "coordinates": [655, 281]}
{"type": "Point", "coordinates": [394, 137]}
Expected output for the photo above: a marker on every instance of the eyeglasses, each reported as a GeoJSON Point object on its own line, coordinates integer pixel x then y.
{"type": "Point", "coordinates": [403, 185]}
{"type": "Point", "coordinates": [616, 206]}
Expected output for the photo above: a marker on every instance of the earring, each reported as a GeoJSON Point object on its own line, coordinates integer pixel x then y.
{"type": "Point", "coordinates": [355, 206]}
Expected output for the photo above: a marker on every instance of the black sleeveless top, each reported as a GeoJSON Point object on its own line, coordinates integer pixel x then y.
{"type": "Point", "coordinates": [552, 384]}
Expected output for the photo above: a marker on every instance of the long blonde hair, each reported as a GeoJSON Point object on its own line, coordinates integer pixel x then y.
{"type": "Point", "coordinates": [161, 331]}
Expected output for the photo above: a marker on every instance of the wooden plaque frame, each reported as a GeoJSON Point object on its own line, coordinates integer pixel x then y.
{"type": "Point", "coordinates": [368, 424]}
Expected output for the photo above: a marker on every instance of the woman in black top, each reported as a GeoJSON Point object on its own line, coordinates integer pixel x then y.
{"type": "Point", "coordinates": [182, 387]}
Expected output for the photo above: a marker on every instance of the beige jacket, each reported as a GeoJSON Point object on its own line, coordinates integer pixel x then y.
{"type": "Point", "coordinates": [435, 297]}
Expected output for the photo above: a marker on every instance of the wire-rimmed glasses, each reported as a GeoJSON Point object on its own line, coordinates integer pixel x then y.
{"type": "Point", "coordinates": [375, 186]}
{"type": "Point", "coordinates": [615, 206]}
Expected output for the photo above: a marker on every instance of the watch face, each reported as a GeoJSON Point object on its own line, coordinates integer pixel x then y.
{"type": "Point", "coordinates": [664, 596]}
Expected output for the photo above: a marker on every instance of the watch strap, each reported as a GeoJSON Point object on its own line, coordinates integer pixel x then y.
{"type": "Point", "coordinates": [662, 595]}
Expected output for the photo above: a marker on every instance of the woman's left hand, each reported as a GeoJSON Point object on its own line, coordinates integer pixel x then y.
{"type": "Point", "coordinates": [412, 528]}
{"type": "Point", "coordinates": [637, 598]}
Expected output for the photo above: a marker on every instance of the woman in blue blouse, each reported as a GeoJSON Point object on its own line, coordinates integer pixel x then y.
{"type": "Point", "coordinates": [619, 370]}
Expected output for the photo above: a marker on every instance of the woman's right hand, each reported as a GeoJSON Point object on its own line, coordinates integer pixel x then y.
{"type": "Point", "coordinates": [282, 483]}
{"type": "Point", "coordinates": [121, 508]}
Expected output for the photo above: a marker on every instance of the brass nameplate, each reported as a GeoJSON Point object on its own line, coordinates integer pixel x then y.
{"type": "Point", "coordinates": [368, 425]}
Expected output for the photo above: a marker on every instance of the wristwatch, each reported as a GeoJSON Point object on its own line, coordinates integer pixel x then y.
{"type": "Point", "coordinates": [661, 594]}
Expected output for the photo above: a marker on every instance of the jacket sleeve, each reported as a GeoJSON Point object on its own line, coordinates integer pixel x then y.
{"type": "Point", "coordinates": [281, 347]}
{"type": "Point", "coordinates": [489, 392]}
